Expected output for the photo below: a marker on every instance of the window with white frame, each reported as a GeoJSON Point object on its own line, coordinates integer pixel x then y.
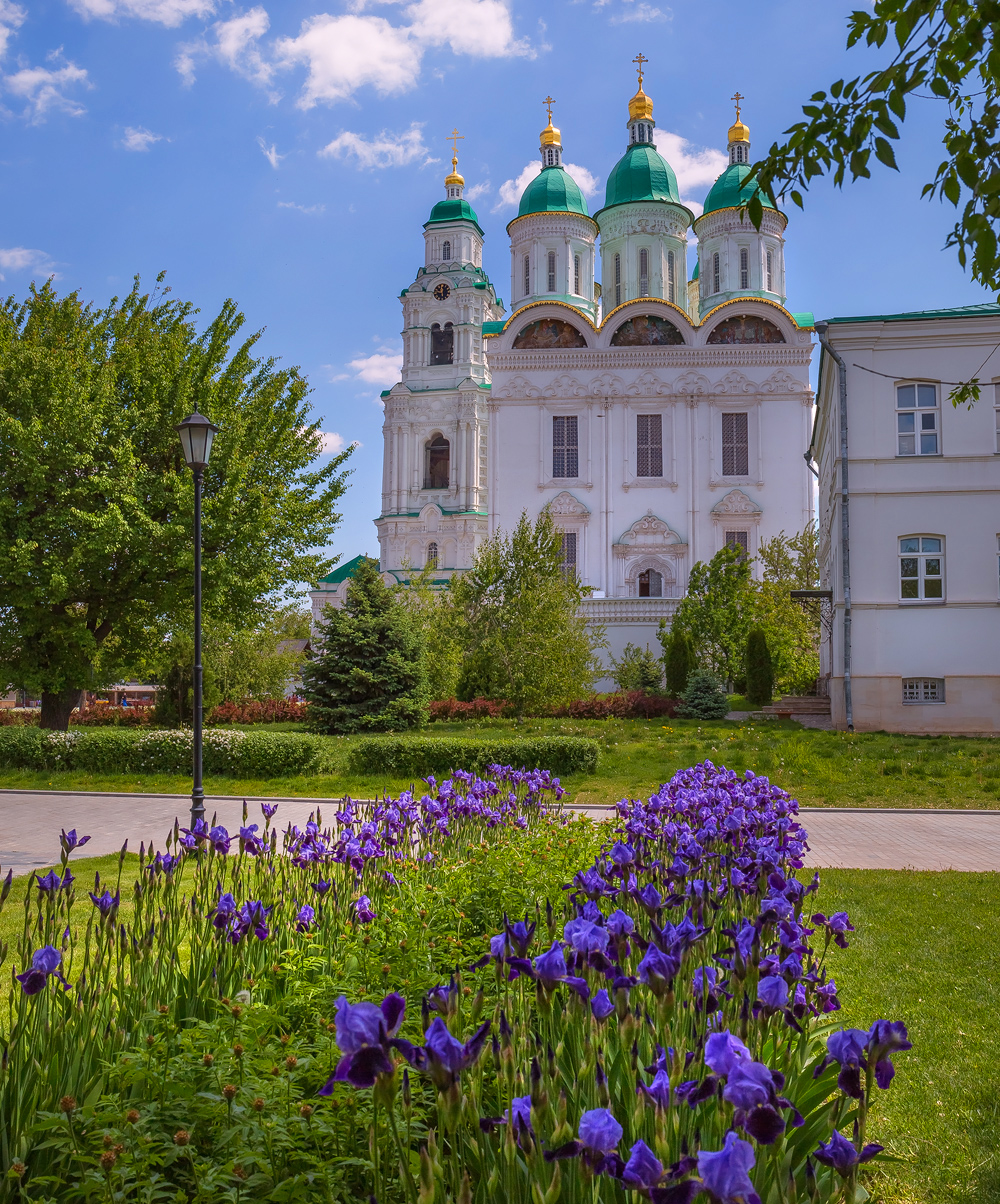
{"type": "Point", "coordinates": [565, 446]}
{"type": "Point", "coordinates": [576, 275]}
{"type": "Point", "coordinates": [432, 555]}
{"type": "Point", "coordinates": [716, 274]}
{"type": "Point", "coordinates": [739, 540]}
{"type": "Point", "coordinates": [618, 280]}
{"type": "Point", "coordinates": [671, 277]}
{"type": "Point", "coordinates": [736, 445]}
{"type": "Point", "coordinates": [921, 568]}
{"type": "Point", "coordinates": [649, 445]}
{"type": "Point", "coordinates": [446, 251]}
{"type": "Point", "coordinates": [643, 272]}
{"type": "Point", "coordinates": [769, 269]}
{"type": "Point", "coordinates": [568, 542]}
{"type": "Point", "coordinates": [552, 272]}
{"type": "Point", "coordinates": [917, 420]}
{"type": "Point", "coordinates": [923, 689]}
{"type": "Point", "coordinates": [744, 267]}
{"type": "Point", "coordinates": [527, 275]}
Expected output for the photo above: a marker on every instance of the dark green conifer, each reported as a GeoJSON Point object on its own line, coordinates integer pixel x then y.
{"type": "Point", "coordinates": [760, 672]}
{"type": "Point", "coordinates": [678, 659]}
{"type": "Point", "coordinates": [704, 697]}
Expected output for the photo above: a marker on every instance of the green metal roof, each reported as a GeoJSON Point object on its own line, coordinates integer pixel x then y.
{"type": "Point", "coordinates": [493, 327]}
{"type": "Point", "coordinates": [342, 572]}
{"type": "Point", "coordinates": [804, 319]}
{"type": "Point", "coordinates": [641, 174]}
{"type": "Point", "coordinates": [694, 274]}
{"type": "Point", "coordinates": [453, 209]}
{"type": "Point", "coordinates": [553, 190]}
{"type": "Point", "coordinates": [987, 309]}
{"type": "Point", "coordinates": [728, 192]}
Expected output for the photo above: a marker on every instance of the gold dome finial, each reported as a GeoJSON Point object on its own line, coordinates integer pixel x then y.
{"type": "Point", "coordinates": [640, 106]}
{"type": "Point", "coordinates": [738, 132]}
{"type": "Point", "coordinates": [550, 135]}
{"type": "Point", "coordinates": [454, 180]}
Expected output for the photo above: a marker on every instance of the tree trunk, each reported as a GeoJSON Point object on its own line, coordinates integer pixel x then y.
{"type": "Point", "coordinates": [56, 709]}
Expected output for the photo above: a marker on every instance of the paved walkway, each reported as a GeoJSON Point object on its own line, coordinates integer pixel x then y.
{"type": "Point", "coordinates": [855, 838]}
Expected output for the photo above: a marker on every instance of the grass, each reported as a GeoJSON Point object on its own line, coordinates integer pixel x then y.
{"type": "Point", "coordinates": [863, 769]}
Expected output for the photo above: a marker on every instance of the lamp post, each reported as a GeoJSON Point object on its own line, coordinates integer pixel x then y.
{"type": "Point", "coordinates": [196, 434]}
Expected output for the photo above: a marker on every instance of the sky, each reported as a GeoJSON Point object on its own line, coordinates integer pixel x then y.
{"type": "Point", "coordinates": [287, 155]}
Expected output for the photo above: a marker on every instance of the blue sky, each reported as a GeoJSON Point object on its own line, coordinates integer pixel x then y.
{"type": "Point", "coordinates": [286, 155]}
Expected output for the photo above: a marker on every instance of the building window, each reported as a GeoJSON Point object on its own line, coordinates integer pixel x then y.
{"type": "Point", "coordinates": [618, 280]}
{"type": "Point", "coordinates": [446, 251]}
{"type": "Point", "coordinates": [996, 403]}
{"type": "Point", "coordinates": [565, 447]}
{"type": "Point", "coordinates": [671, 287]}
{"type": "Point", "coordinates": [649, 445]}
{"type": "Point", "coordinates": [569, 551]}
{"type": "Point", "coordinates": [437, 453]}
{"type": "Point", "coordinates": [552, 272]}
{"type": "Point", "coordinates": [716, 274]}
{"type": "Point", "coordinates": [576, 275]}
{"type": "Point", "coordinates": [442, 344]}
{"type": "Point", "coordinates": [921, 568]}
{"type": "Point", "coordinates": [917, 420]}
{"type": "Point", "coordinates": [650, 584]}
{"type": "Point", "coordinates": [643, 272]}
{"type": "Point", "coordinates": [923, 689]}
{"type": "Point", "coordinates": [998, 565]}
{"type": "Point", "coordinates": [769, 267]}
{"type": "Point", "coordinates": [735, 445]}
{"type": "Point", "coordinates": [432, 556]}
{"type": "Point", "coordinates": [744, 267]}
{"type": "Point", "coordinates": [740, 540]}
{"type": "Point", "coordinates": [527, 275]}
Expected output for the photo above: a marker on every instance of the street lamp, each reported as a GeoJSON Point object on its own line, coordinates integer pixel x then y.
{"type": "Point", "coordinates": [196, 434]}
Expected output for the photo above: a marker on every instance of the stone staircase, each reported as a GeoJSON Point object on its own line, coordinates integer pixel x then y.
{"type": "Point", "coordinates": [791, 704]}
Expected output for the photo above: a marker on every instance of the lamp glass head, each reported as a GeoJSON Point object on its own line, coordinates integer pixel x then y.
{"type": "Point", "coordinates": [197, 433]}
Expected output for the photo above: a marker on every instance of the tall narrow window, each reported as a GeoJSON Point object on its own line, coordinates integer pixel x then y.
{"type": "Point", "coordinates": [650, 584]}
{"type": "Point", "coordinates": [744, 267]}
{"type": "Point", "coordinates": [446, 251]}
{"type": "Point", "coordinates": [740, 540]}
{"type": "Point", "coordinates": [921, 568]}
{"type": "Point", "coordinates": [916, 420]}
{"type": "Point", "coordinates": [618, 280]}
{"type": "Point", "coordinates": [649, 445]}
{"type": "Point", "coordinates": [565, 447]}
{"type": "Point", "coordinates": [735, 445]}
{"type": "Point", "coordinates": [437, 453]}
{"type": "Point", "coordinates": [769, 264]}
{"type": "Point", "coordinates": [996, 405]}
{"type": "Point", "coordinates": [527, 275]}
{"type": "Point", "coordinates": [442, 344]}
{"type": "Point", "coordinates": [576, 275]}
{"type": "Point", "coordinates": [569, 551]}
{"type": "Point", "coordinates": [432, 556]}
{"type": "Point", "coordinates": [716, 274]}
{"type": "Point", "coordinates": [643, 272]}
{"type": "Point", "coordinates": [552, 272]}
{"type": "Point", "coordinates": [671, 277]}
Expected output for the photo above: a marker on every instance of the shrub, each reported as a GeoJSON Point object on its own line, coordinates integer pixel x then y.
{"type": "Point", "coordinates": [401, 756]}
{"type": "Point", "coordinates": [678, 659]}
{"type": "Point", "coordinates": [110, 716]}
{"type": "Point", "coordinates": [760, 671]}
{"type": "Point", "coordinates": [638, 669]}
{"type": "Point", "coordinates": [267, 710]}
{"type": "Point", "coordinates": [477, 708]}
{"type": "Point", "coordinates": [19, 716]}
{"type": "Point", "coordinates": [636, 704]}
{"type": "Point", "coordinates": [704, 697]}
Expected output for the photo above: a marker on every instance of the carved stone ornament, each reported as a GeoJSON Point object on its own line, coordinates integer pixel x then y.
{"type": "Point", "coordinates": [520, 389]}
{"type": "Point", "coordinates": [735, 383]}
{"type": "Point", "coordinates": [649, 535]}
{"type": "Point", "coordinates": [692, 383]}
{"type": "Point", "coordinates": [564, 386]}
{"type": "Point", "coordinates": [648, 385]}
{"type": "Point", "coordinates": [781, 381]}
{"type": "Point", "coordinates": [736, 504]}
{"type": "Point", "coordinates": [565, 505]}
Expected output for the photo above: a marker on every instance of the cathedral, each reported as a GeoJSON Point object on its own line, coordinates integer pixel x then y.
{"type": "Point", "coordinates": [657, 414]}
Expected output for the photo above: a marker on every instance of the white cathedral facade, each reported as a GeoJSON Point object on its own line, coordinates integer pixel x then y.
{"type": "Point", "coordinates": [657, 416]}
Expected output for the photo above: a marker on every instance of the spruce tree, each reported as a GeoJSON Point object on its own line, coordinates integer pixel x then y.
{"type": "Point", "coordinates": [704, 697]}
{"type": "Point", "coordinates": [369, 674]}
{"type": "Point", "coordinates": [760, 672]}
{"type": "Point", "coordinates": [638, 669]}
{"type": "Point", "coordinates": [678, 658]}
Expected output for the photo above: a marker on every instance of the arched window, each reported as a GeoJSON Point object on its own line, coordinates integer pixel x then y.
{"type": "Point", "coordinates": [643, 272]}
{"type": "Point", "coordinates": [744, 267]}
{"type": "Point", "coordinates": [618, 280]}
{"type": "Point", "coordinates": [551, 158]}
{"type": "Point", "coordinates": [437, 455]}
{"type": "Point", "coordinates": [671, 277]}
{"type": "Point", "coordinates": [446, 251]}
{"type": "Point", "coordinates": [432, 555]}
{"type": "Point", "coordinates": [442, 344]}
{"type": "Point", "coordinates": [576, 275]}
{"type": "Point", "coordinates": [650, 584]}
{"type": "Point", "coordinates": [527, 275]}
{"type": "Point", "coordinates": [716, 274]}
{"type": "Point", "coordinates": [552, 271]}
{"type": "Point", "coordinates": [769, 258]}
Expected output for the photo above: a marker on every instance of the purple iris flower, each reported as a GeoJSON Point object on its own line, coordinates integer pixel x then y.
{"type": "Point", "coordinates": [268, 810]}
{"type": "Point", "coordinates": [592, 885]}
{"type": "Point", "coordinates": [304, 919]}
{"type": "Point", "coordinates": [749, 1084]}
{"type": "Point", "coordinates": [443, 998]}
{"type": "Point", "coordinates": [251, 842]}
{"type": "Point", "coordinates": [44, 962]}
{"type": "Point", "coordinates": [599, 1131]}
{"type": "Point", "coordinates": [163, 863]}
{"type": "Point", "coordinates": [601, 1005]}
{"type": "Point", "coordinates": [195, 834]}
{"type": "Point", "coordinates": [585, 936]}
{"type": "Point", "coordinates": [724, 1052]}
{"type": "Point", "coordinates": [724, 1172]}
{"type": "Point", "coordinates": [619, 923]}
{"type": "Point", "coordinates": [643, 1169]}
{"type": "Point", "coordinates": [444, 1057]}
{"type": "Point", "coordinates": [827, 997]}
{"type": "Point", "coordinates": [520, 934]}
{"type": "Point", "coordinates": [704, 980]}
{"type": "Point", "coordinates": [321, 887]}
{"type": "Point", "coordinates": [622, 855]}
{"type": "Point", "coordinates": [252, 917]}
{"type": "Point", "coordinates": [225, 910]}
{"type": "Point", "coordinates": [520, 1111]}
{"type": "Point", "coordinates": [52, 882]}
{"type": "Point", "coordinates": [658, 1091]}
{"type": "Point", "coordinates": [884, 1038]}
{"type": "Point", "coordinates": [772, 992]}
{"type": "Point", "coordinates": [220, 840]}
{"type": "Point", "coordinates": [363, 1034]}
{"type": "Point", "coordinates": [837, 925]}
{"type": "Point", "coordinates": [650, 899]}
{"type": "Point", "coordinates": [106, 903]}
{"type": "Point", "coordinates": [363, 910]}
{"type": "Point", "coordinates": [658, 970]}
{"type": "Point", "coordinates": [842, 1155]}
{"type": "Point", "coordinates": [70, 841]}
{"type": "Point", "coordinates": [847, 1049]}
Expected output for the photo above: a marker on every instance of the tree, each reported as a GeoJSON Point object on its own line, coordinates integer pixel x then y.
{"type": "Point", "coordinates": [368, 673]}
{"type": "Point", "coordinates": [760, 672]}
{"type": "Point", "coordinates": [704, 698]}
{"type": "Point", "coordinates": [947, 48]}
{"type": "Point", "coordinates": [678, 658]}
{"type": "Point", "coordinates": [638, 669]}
{"type": "Point", "coordinates": [441, 630]}
{"type": "Point", "coordinates": [791, 629]}
{"type": "Point", "coordinates": [522, 635]}
{"type": "Point", "coordinates": [718, 611]}
{"type": "Point", "coordinates": [96, 512]}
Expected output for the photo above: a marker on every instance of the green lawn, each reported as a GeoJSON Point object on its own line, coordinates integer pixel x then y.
{"type": "Point", "coordinates": [819, 768]}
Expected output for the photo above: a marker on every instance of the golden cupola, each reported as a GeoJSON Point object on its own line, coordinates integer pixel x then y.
{"type": "Point", "coordinates": [739, 136]}
{"type": "Point", "coordinates": [453, 182]}
{"type": "Point", "coordinates": [550, 140]}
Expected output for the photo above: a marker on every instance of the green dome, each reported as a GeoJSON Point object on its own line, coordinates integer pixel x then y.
{"type": "Point", "coordinates": [728, 191]}
{"type": "Point", "coordinates": [454, 209]}
{"type": "Point", "coordinates": [553, 190]}
{"type": "Point", "coordinates": [641, 175]}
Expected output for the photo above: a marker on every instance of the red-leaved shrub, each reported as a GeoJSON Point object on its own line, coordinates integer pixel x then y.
{"type": "Point", "coordinates": [268, 710]}
{"type": "Point", "coordinates": [19, 718]}
{"type": "Point", "coordinates": [478, 708]}
{"type": "Point", "coordinates": [635, 704]}
{"type": "Point", "coordinates": [109, 716]}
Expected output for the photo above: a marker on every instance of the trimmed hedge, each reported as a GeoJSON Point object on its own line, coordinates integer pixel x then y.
{"type": "Point", "coordinates": [124, 750]}
{"type": "Point", "coordinates": [400, 756]}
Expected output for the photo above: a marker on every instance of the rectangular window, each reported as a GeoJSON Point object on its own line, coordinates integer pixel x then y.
{"type": "Point", "coordinates": [671, 270]}
{"type": "Point", "coordinates": [649, 445]}
{"type": "Point", "coordinates": [739, 539]}
{"type": "Point", "coordinates": [618, 280]}
{"type": "Point", "coordinates": [996, 403]}
{"type": "Point", "coordinates": [643, 272]}
{"type": "Point", "coordinates": [744, 267]}
{"type": "Point", "coordinates": [716, 274]}
{"type": "Point", "coordinates": [527, 276]}
{"type": "Point", "coordinates": [576, 275]}
{"type": "Point", "coordinates": [770, 272]}
{"type": "Point", "coordinates": [923, 689]}
{"type": "Point", "coordinates": [569, 551]}
{"type": "Point", "coordinates": [735, 445]}
{"type": "Point", "coordinates": [565, 447]}
{"type": "Point", "coordinates": [921, 568]}
{"type": "Point", "coordinates": [917, 420]}
{"type": "Point", "coordinates": [552, 271]}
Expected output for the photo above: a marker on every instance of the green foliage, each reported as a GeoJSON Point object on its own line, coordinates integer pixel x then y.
{"type": "Point", "coordinates": [638, 669]}
{"type": "Point", "coordinates": [760, 671]}
{"type": "Point", "coordinates": [439, 622]}
{"type": "Point", "coordinates": [949, 48]}
{"type": "Point", "coordinates": [717, 612]}
{"type": "Point", "coordinates": [369, 673]}
{"type": "Point", "coordinates": [523, 639]}
{"type": "Point", "coordinates": [96, 512]}
{"type": "Point", "coordinates": [678, 658]}
{"type": "Point", "coordinates": [125, 750]}
{"type": "Point", "coordinates": [704, 698]}
{"type": "Point", "coordinates": [402, 756]}
{"type": "Point", "coordinates": [792, 629]}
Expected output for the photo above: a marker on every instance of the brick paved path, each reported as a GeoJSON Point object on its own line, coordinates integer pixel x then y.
{"type": "Point", "coordinates": [852, 839]}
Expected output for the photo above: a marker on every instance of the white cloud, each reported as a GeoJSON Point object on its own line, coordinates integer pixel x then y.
{"type": "Point", "coordinates": [138, 138]}
{"type": "Point", "coordinates": [477, 27]}
{"type": "Point", "coordinates": [510, 190]}
{"type": "Point", "coordinates": [697, 168]}
{"type": "Point", "coordinates": [384, 150]}
{"type": "Point", "coordinates": [235, 44]}
{"type": "Point", "coordinates": [309, 209]}
{"type": "Point", "coordinates": [380, 368]}
{"type": "Point", "coordinates": [478, 190]}
{"type": "Point", "coordinates": [44, 88]}
{"type": "Point", "coordinates": [640, 12]}
{"type": "Point", "coordinates": [165, 12]}
{"type": "Point", "coordinates": [12, 16]}
{"type": "Point", "coordinates": [270, 153]}
{"type": "Point", "coordinates": [331, 442]}
{"type": "Point", "coordinates": [20, 259]}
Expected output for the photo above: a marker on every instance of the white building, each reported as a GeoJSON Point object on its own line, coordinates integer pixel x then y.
{"type": "Point", "coordinates": [923, 532]}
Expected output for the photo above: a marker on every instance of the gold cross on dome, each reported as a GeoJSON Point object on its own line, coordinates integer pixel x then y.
{"type": "Point", "coordinates": [549, 102]}
{"type": "Point", "coordinates": [640, 58]}
{"type": "Point", "coordinates": [738, 97]}
{"type": "Point", "coordinates": [454, 138]}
